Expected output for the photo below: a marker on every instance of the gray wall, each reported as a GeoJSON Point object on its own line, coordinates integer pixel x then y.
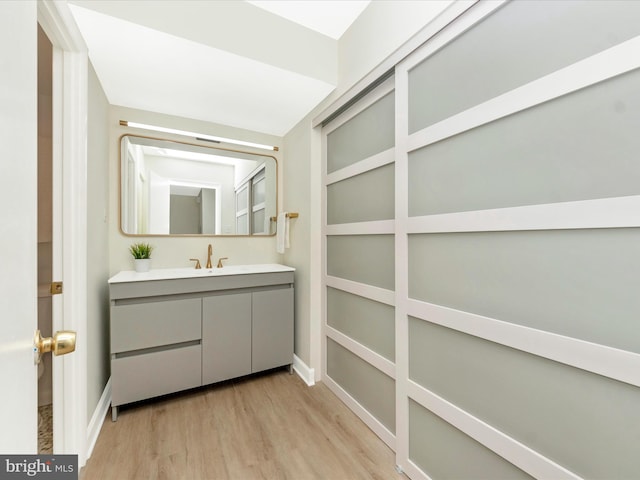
{"type": "Point", "coordinates": [97, 244]}
{"type": "Point", "coordinates": [184, 214]}
{"type": "Point", "coordinates": [381, 29]}
{"type": "Point", "coordinates": [296, 198]}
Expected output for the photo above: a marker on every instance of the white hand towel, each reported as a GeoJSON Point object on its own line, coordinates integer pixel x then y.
{"type": "Point", "coordinates": [282, 234]}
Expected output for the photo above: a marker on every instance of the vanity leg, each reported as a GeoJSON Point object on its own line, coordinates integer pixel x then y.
{"type": "Point", "coordinates": [114, 413]}
{"type": "Point", "coordinates": [291, 369]}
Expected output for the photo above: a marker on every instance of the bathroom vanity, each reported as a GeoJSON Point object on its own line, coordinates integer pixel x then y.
{"type": "Point", "coordinates": [175, 329]}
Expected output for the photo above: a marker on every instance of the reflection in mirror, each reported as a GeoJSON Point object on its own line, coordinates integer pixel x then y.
{"type": "Point", "coordinates": [176, 188]}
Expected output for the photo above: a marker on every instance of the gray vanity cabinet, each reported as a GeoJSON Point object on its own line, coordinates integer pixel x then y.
{"type": "Point", "coordinates": [171, 334]}
{"type": "Point", "coordinates": [272, 329]}
{"type": "Point", "coordinates": [226, 337]}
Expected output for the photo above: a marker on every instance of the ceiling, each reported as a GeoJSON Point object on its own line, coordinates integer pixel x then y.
{"type": "Point", "coordinates": [329, 17]}
{"type": "Point", "coordinates": [257, 65]}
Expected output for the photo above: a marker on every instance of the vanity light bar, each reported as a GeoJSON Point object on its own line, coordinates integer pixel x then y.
{"type": "Point", "coordinates": [197, 136]}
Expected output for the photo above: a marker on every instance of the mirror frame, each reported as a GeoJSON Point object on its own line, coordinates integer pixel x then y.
{"type": "Point", "coordinates": [199, 145]}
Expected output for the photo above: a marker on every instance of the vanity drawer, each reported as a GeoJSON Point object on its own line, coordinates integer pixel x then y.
{"type": "Point", "coordinates": [148, 375]}
{"type": "Point", "coordinates": [143, 325]}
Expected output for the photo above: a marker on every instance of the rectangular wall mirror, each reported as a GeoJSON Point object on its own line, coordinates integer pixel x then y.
{"type": "Point", "coordinates": [177, 188]}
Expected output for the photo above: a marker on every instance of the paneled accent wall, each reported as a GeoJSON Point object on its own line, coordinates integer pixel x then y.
{"type": "Point", "coordinates": [504, 261]}
{"type": "Point", "coordinates": [359, 332]}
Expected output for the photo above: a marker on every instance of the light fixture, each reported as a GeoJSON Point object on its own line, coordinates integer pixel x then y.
{"type": "Point", "coordinates": [197, 136]}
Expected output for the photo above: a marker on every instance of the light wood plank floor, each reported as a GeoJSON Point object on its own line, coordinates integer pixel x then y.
{"type": "Point", "coordinates": [270, 426]}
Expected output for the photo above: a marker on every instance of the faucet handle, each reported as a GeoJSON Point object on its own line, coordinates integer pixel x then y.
{"type": "Point", "coordinates": [220, 261]}
{"type": "Point", "coordinates": [197, 262]}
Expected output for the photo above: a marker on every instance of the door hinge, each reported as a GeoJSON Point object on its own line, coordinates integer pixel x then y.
{"type": "Point", "coordinates": [56, 288]}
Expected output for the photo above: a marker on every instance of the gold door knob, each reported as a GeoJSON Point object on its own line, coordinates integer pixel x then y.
{"type": "Point", "coordinates": [61, 343]}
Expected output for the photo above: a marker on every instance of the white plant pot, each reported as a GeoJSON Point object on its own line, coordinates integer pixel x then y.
{"type": "Point", "coordinates": [142, 264]}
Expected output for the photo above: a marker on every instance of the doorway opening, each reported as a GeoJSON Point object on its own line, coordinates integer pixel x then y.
{"type": "Point", "coordinates": [45, 238]}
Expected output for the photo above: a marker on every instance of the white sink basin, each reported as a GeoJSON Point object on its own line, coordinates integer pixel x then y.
{"type": "Point", "coordinates": [175, 273]}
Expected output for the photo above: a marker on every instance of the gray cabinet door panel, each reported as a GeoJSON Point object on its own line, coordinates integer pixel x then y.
{"type": "Point", "coordinates": [272, 329]}
{"type": "Point", "coordinates": [226, 337]}
{"type": "Point", "coordinates": [145, 325]}
{"type": "Point", "coordinates": [145, 376]}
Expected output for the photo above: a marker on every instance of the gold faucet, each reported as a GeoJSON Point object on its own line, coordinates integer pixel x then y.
{"type": "Point", "coordinates": [198, 266]}
{"type": "Point", "coordinates": [209, 253]}
{"type": "Point", "coordinates": [220, 261]}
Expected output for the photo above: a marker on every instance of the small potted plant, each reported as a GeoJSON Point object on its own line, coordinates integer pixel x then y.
{"type": "Point", "coordinates": [141, 256]}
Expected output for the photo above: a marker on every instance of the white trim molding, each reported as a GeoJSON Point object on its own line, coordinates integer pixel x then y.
{"type": "Point", "coordinates": [306, 373]}
{"type": "Point", "coordinates": [97, 419]}
{"type": "Point", "coordinates": [70, 139]}
{"type": "Point", "coordinates": [378, 294]}
{"type": "Point", "coordinates": [612, 62]}
{"type": "Point", "coordinates": [375, 161]}
{"type": "Point", "coordinates": [372, 422]}
{"type": "Point", "coordinates": [611, 362]}
{"type": "Point", "coordinates": [617, 212]}
{"type": "Point", "coordinates": [508, 448]}
{"type": "Point", "coordinates": [401, 261]}
{"type": "Point", "coordinates": [374, 359]}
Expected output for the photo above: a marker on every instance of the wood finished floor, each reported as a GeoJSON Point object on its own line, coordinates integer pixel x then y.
{"type": "Point", "coordinates": [270, 426]}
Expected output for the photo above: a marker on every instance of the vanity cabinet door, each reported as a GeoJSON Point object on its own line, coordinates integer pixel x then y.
{"type": "Point", "coordinates": [226, 337]}
{"type": "Point", "coordinates": [272, 329]}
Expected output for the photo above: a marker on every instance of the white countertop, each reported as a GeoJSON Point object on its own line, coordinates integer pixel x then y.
{"type": "Point", "coordinates": [189, 272]}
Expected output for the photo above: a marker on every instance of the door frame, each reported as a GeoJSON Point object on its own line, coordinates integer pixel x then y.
{"type": "Point", "coordinates": [70, 104]}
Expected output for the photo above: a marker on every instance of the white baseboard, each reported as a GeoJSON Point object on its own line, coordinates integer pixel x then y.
{"type": "Point", "coordinates": [303, 371]}
{"type": "Point", "coordinates": [97, 419]}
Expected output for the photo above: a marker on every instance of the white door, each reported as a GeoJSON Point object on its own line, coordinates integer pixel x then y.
{"type": "Point", "coordinates": [18, 225]}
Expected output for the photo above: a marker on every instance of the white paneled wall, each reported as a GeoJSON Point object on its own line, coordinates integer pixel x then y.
{"type": "Point", "coordinates": [506, 268]}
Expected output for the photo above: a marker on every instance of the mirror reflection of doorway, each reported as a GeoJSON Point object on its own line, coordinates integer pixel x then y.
{"type": "Point", "coordinates": [192, 211]}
